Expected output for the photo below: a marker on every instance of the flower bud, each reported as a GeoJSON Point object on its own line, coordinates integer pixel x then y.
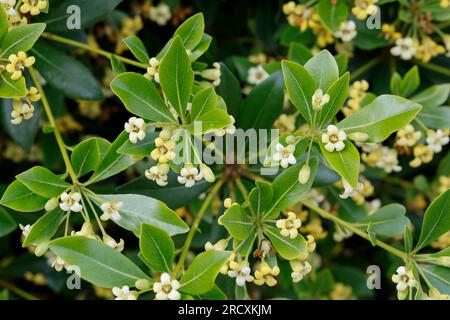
{"type": "Point", "coordinates": [211, 74]}
{"type": "Point", "coordinates": [207, 173]}
{"type": "Point", "coordinates": [304, 173]}
{"type": "Point", "coordinates": [227, 203]}
{"type": "Point", "coordinates": [290, 139]}
{"type": "Point", "coordinates": [143, 284]}
{"type": "Point", "coordinates": [41, 249]}
{"type": "Point", "coordinates": [444, 261]}
{"type": "Point", "coordinates": [358, 136]}
{"type": "Point", "coordinates": [51, 204]}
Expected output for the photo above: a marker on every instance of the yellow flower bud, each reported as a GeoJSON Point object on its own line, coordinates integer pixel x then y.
{"type": "Point", "coordinates": [304, 174]}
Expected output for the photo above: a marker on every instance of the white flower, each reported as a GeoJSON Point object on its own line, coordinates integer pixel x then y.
{"type": "Point", "coordinates": [241, 271]}
{"type": "Point", "coordinates": [299, 269]}
{"type": "Point", "coordinates": [404, 47]}
{"type": "Point", "coordinates": [220, 245]}
{"type": "Point", "coordinates": [136, 128]}
{"type": "Point", "coordinates": [257, 75]}
{"type": "Point", "coordinates": [289, 227]}
{"type": "Point", "coordinates": [189, 175]}
{"type": "Point", "coordinates": [21, 111]}
{"type": "Point", "coordinates": [70, 202]}
{"type": "Point", "coordinates": [213, 74]}
{"type": "Point", "coordinates": [25, 229]}
{"type": "Point", "coordinates": [108, 240]}
{"type": "Point", "coordinates": [388, 160]}
{"type": "Point", "coordinates": [160, 14]}
{"type": "Point", "coordinates": [86, 231]}
{"type": "Point", "coordinates": [153, 70]}
{"type": "Point", "coordinates": [158, 173]}
{"type": "Point", "coordinates": [167, 288]}
{"type": "Point", "coordinates": [285, 155]}
{"type": "Point", "coordinates": [59, 264]}
{"type": "Point", "coordinates": [111, 210]}
{"type": "Point", "coordinates": [334, 139]}
{"type": "Point", "coordinates": [349, 191]}
{"type": "Point", "coordinates": [347, 31]}
{"type": "Point", "coordinates": [319, 99]}
{"type": "Point", "coordinates": [124, 293]}
{"type": "Point", "coordinates": [436, 139]}
{"type": "Point", "coordinates": [404, 279]}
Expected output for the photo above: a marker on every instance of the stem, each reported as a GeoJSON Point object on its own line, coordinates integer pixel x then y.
{"type": "Point", "coordinates": [195, 225]}
{"type": "Point", "coordinates": [13, 288]}
{"type": "Point", "coordinates": [83, 46]}
{"type": "Point", "coordinates": [329, 216]}
{"type": "Point", "coordinates": [51, 119]}
{"type": "Point", "coordinates": [365, 67]}
{"type": "Point", "coordinates": [241, 187]}
{"type": "Point", "coordinates": [435, 68]}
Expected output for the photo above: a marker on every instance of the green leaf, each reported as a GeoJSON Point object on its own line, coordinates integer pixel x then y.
{"type": "Point", "coordinates": [345, 162]}
{"type": "Point", "coordinates": [299, 53]}
{"type": "Point", "coordinates": [21, 38]}
{"type": "Point", "coordinates": [435, 118]}
{"type": "Point", "coordinates": [191, 31]}
{"type": "Point", "coordinates": [7, 223]}
{"type": "Point", "coordinates": [300, 88]}
{"type": "Point", "coordinates": [4, 24]}
{"type": "Point", "coordinates": [43, 182]}
{"type": "Point", "coordinates": [66, 74]}
{"type": "Point", "coordinates": [383, 116]}
{"type": "Point", "coordinates": [436, 221]}
{"type": "Point", "coordinates": [388, 221]}
{"type": "Point", "coordinates": [112, 162]}
{"type": "Point", "coordinates": [137, 48]}
{"type": "Point", "coordinates": [140, 97]}
{"type": "Point", "coordinates": [332, 13]}
{"type": "Point", "coordinates": [10, 88]}
{"type": "Point", "coordinates": [202, 47]}
{"type": "Point", "coordinates": [176, 76]}
{"type": "Point", "coordinates": [44, 228]}
{"type": "Point", "coordinates": [263, 105]}
{"type": "Point", "coordinates": [214, 294]}
{"type": "Point", "coordinates": [86, 155]}
{"type": "Point", "coordinates": [237, 222]}
{"type": "Point", "coordinates": [338, 94]}
{"type": "Point", "coordinates": [323, 68]}
{"type": "Point", "coordinates": [434, 96]}
{"type": "Point", "coordinates": [230, 90]}
{"type": "Point", "coordinates": [18, 197]}
{"type": "Point", "coordinates": [138, 209]}
{"type": "Point", "coordinates": [368, 39]}
{"type": "Point", "coordinates": [260, 197]}
{"type": "Point", "coordinates": [342, 62]}
{"type": "Point", "coordinates": [438, 276]}
{"type": "Point", "coordinates": [157, 248]}
{"type": "Point", "coordinates": [98, 263]}
{"type": "Point", "coordinates": [286, 247]}
{"type": "Point", "coordinates": [408, 238]}
{"type": "Point", "coordinates": [142, 148]}
{"type": "Point", "coordinates": [201, 274]}
{"type": "Point", "coordinates": [287, 190]}
{"type": "Point", "coordinates": [372, 234]}
{"type": "Point", "coordinates": [409, 83]}
{"type": "Point", "coordinates": [205, 100]}
{"type": "Point", "coordinates": [395, 83]}
{"type": "Point", "coordinates": [211, 121]}
{"type": "Point", "coordinates": [117, 66]}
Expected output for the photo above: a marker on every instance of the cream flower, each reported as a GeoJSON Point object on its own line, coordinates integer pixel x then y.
{"type": "Point", "coordinates": [111, 210]}
{"type": "Point", "coordinates": [407, 137]}
{"type": "Point", "coordinates": [70, 202]}
{"type": "Point", "coordinates": [167, 288]}
{"type": "Point", "coordinates": [220, 245]}
{"type": "Point", "coordinates": [241, 271]}
{"type": "Point", "coordinates": [153, 69]}
{"type": "Point", "coordinates": [405, 48]}
{"type": "Point", "coordinates": [436, 139]}
{"type": "Point", "coordinates": [34, 7]}
{"type": "Point", "coordinates": [319, 99]}
{"type": "Point", "coordinates": [404, 279]}
{"type": "Point", "coordinates": [289, 227]}
{"type": "Point", "coordinates": [364, 8]}
{"type": "Point", "coordinates": [164, 145]}
{"type": "Point", "coordinates": [347, 31]}
{"type": "Point", "coordinates": [158, 174]}
{"type": "Point", "coordinates": [349, 191]}
{"type": "Point", "coordinates": [189, 175]}
{"type": "Point", "coordinates": [257, 75]}
{"type": "Point", "coordinates": [18, 63]}
{"type": "Point", "coordinates": [124, 293]}
{"type": "Point", "coordinates": [285, 155]}
{"type": "Point", "coordinates": [59, 264]}
{"type": "Point", "coordinates": [25, 229]}
{"type": "Point", "coordinates": [86, 231]}
{"type": "Point", "coordinates": [108, 240]}
{"type": "Point", "coordinates": [422, 154]}
{"type": "Point", "coordinates": [21, 111]}
{"type": "Point", "coordinates": [160, 14]}
{"type": "Point", "coordinates": [334, 139]}
{"type": "Point", "coordinates": [136, 128]}
{"type": "Point", "coordinates": [266, 275]}
{"type": "Point", "coordinates": [299, 269]}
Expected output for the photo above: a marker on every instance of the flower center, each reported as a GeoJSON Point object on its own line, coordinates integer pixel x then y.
{"type": "Point", "coordinates": [163, 149]}
{"type": "Point", "coordinates": [167, 288]}
{"type": "Point", "coordinates": [334, 138]}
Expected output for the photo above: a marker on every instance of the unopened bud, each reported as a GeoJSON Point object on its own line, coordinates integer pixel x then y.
{"type": "Point", "coordinates": [41, 249]}
{"type": "Point", "coordinates": [51, 204]}
{"type": "Point", "coordinates": [358, 136]}
{"type": "Point", "coordinates": [143, 284]}
{"type": "Point", "coordinates": [207, 173]}
{"type": "Point", "coordinates": [227, 203]}
{"type": "Point", "coordinates": [290, 139]}
{"type": "Point", "coordinates": [304, 173]}
{"type": "Point", "coordinates": [444, 261]}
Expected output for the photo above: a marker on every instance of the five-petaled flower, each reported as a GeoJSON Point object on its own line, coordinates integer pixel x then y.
{"type": "Point", "coordinates": [164, 145]}
{"type": "Point", "coordinates": [404, 279]}
{"type": "Point", "coordinates": [334, 139]}
{"type": "Point", "coordinates": [319, 99]}
{"type": "Point", "coordinates": [299, 269]}
{"type": "Point", "coordinates": [124, 293]}
{"type": "Point", "coordinates": [18, 63]}
{"type": "Point", "coordinates": [285, 155]}
{"type": "Point", "coordinates": [158, 174]}
{"type": "Point", "coordinates": [136, 128]}
{"type": "Point", "coordinates": [241, 271]}
{"type": "Point", "coordinates": [405, 48]}
{"type": "Point", "coordinates": [266, 274]}
{"type": "Point", "coordinates": [189, 175]}
{"type": "Point", "coordinates": [289, 226]}
{"type": "Point", "coordinates": [71, 202]}
{"type": "Point", "coordinates": [34, 7]}
{"type": "Point", "coordinates": [111, 210]}
{"type": "Point", "coordinates": [167, 288]}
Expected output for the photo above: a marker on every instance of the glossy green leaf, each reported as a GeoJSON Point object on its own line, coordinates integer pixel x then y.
{"type": "Point", "coordinates": [260, 197]}
{"type": "Point", "coordinates": [142, 148]}
{"type": "Point", "coordinates": [410, 82]}
{"type": "Point", "coordinates": [140, 97]}
{"type": "Point", "coordinates": [138, 210]}
{"type": "Point", "coordinates": [43, 182]}
{"type": "Point", "coordinates": [44, 228]}
{"type": "Point", "coordinates": [4, 24]}
{"type": "Point", "coordinates": [237, 222]}
{"type": "Point", "coordinates": [98, 263]}
{"type": "Point", "coordinates": [86, 155]}
{"type": "Point", "coordinates": [176, 76]}
{"type": "Point", "coordinates": [202, 47]}
{"type": "Point", "coordinates": [438, 276]}
{"type": "Point", "coordinates": [338, 94]}
{"type": "Point", "coordinates": [137, 48]}
{"type": "Point", "coordinates": [10, 88]}
{"type": "Point", "coordinates": [205, 100]}
{"type": "Point", "coordinates": [299, 53]}
{"type": "Point", "coordinates": [157, 248]}
{"type": "Point", "coordinates": [21, 38]}
{"type": "Point", "coordinates": [117, 66]}
{"type": "Point", "coordinates": [323, 69]}
{"type": "Point", "coordinates": [332, 13]}
{"type": "Point", "coordinates": [18, 197]}
{"type": "Point", "coordinates": [214, 294]}
{"type": "Point", "coordinates": [435, 118]}
{"type": "Point", "coordinates": [388, 221]}
{"type": "Point", "coordinates": [434, 96]}
{"type": "Point", "coordinates": [436, 221]}
{"type": "Point", "coordinates": [385, 115]}
{"type": "Point", "coordinates": [230, 90]}
{"type": "Point", "coordinates": [201, 274]}
{"type": "Point", "coordinates": [286, 247]}
{"type": "Point", "coordinates": [210, 121]}
{"type": "Point", "coordinates": [7, 223]}
{"type": "Point", "coordinates": [345, 162]}
{"type": "Point", "coordinates": [191, 31]}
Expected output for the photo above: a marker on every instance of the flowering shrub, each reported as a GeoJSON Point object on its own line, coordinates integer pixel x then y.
{"type": "Point", "coordinates": [257, 177]}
